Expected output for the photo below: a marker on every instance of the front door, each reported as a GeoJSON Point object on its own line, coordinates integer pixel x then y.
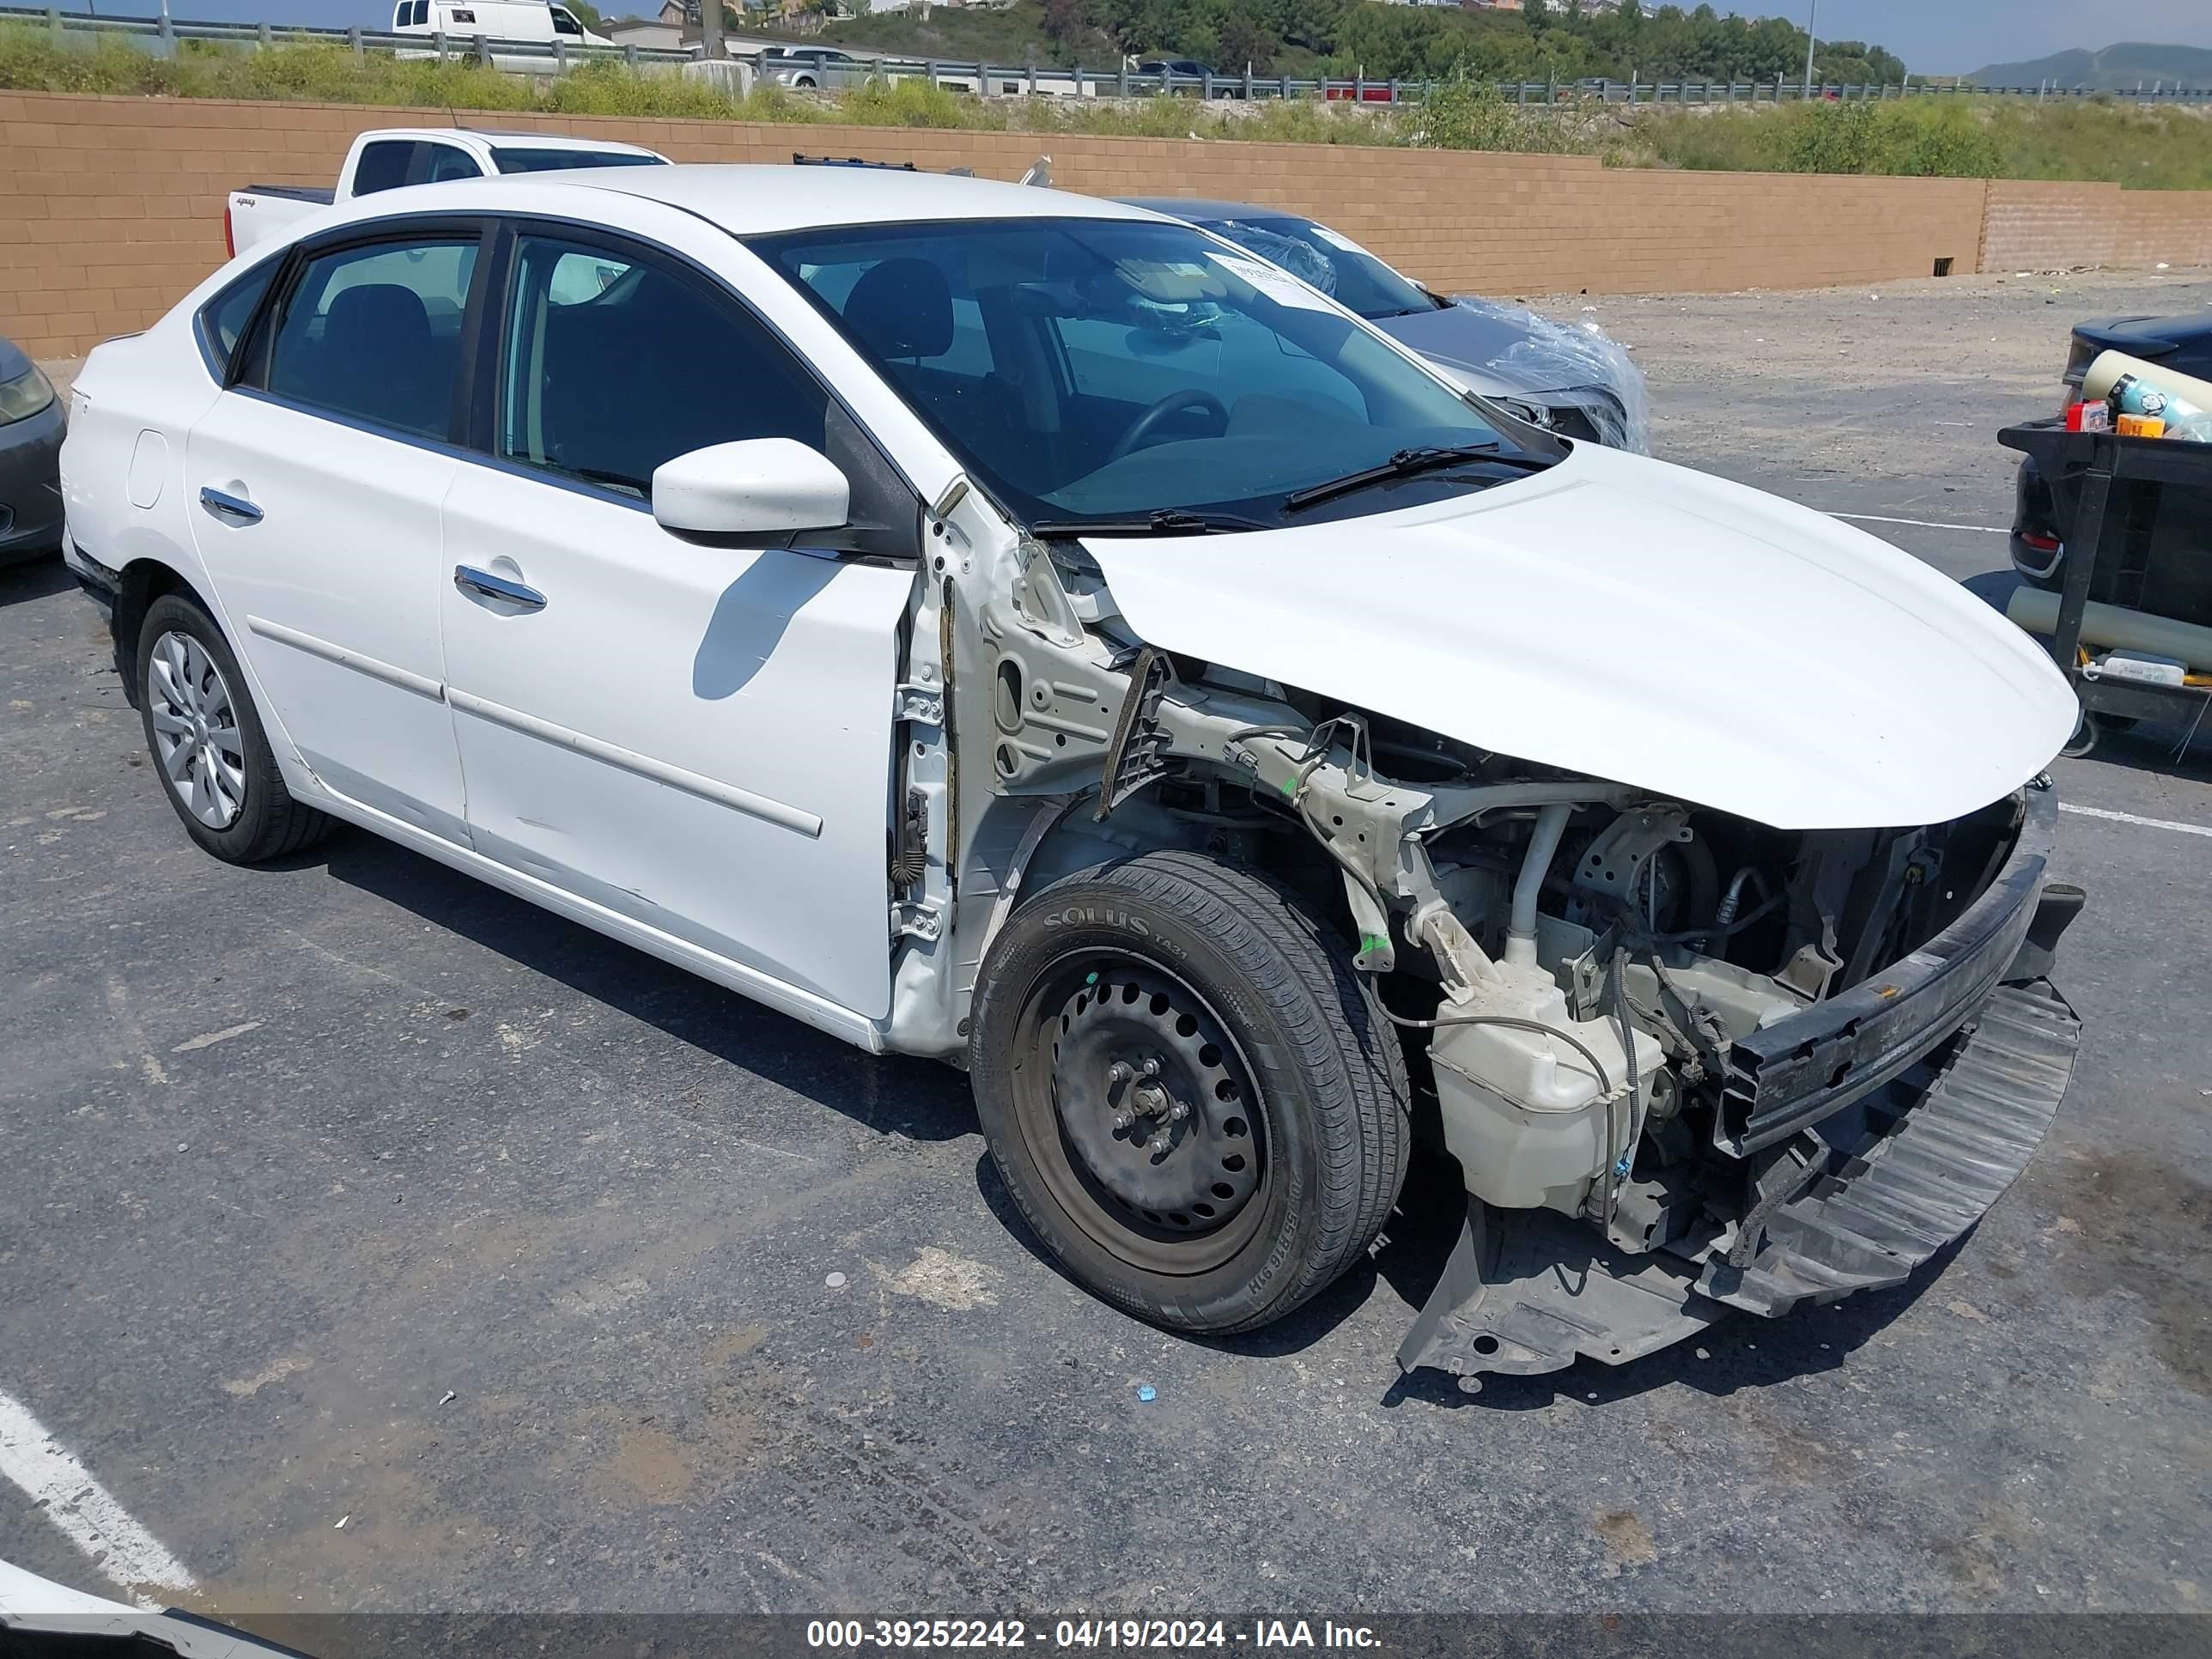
{"type": "Point", "coordinates": [318, 482]}
{"type": "Point", "coordinates": [698, 738]}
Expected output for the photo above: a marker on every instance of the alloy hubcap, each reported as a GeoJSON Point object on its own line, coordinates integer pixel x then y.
{"type": "Point", "coordinates": [1155, 1101]}
{"type": "Point", "coordinates": [196, 736]}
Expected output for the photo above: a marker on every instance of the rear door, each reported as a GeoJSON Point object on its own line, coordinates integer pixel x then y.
{"type": "Point", "coordinates": [319, 479]}
{"type": "Point", "coordinates": [697, 737]}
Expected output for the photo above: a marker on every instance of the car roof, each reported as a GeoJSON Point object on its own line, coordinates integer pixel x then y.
{"type": "Point", "coordinates": [535, 140]}
{"type": "Point", "coordinates": [1191, 207]}
{"type": "Point", "coordinates": [753, 199]}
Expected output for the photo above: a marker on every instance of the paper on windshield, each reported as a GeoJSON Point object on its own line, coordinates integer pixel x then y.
{"type": "Point", "coordinates": [1282, 289]}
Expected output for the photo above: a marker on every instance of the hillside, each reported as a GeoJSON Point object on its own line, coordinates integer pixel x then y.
{"type": "Point", "coordinates": [2116, 69]}
{"type": "Point", "coordinates": [1298, 37]}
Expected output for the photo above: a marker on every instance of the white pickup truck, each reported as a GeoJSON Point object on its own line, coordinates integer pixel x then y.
{"type": "Point", "coordinates": [386, 158]}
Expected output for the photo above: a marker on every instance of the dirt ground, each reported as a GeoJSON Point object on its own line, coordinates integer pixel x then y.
{"type": "Point", "coordinates": [1826, 394]}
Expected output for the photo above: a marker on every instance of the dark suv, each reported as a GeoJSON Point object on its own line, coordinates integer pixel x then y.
{"type": "Point", "coordinates": [1176, 72]}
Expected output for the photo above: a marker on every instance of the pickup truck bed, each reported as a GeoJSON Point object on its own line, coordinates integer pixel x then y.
{"type": "Point", "coordinates": [321, 195]}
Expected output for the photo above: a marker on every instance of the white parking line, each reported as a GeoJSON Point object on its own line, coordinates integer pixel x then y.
{"type": "Point", "coordinates": [91, 1519]}
{"type": "Point", "coordinates": [2129, 817]}
{"type": "Point", "coordinates": [1919, 524]}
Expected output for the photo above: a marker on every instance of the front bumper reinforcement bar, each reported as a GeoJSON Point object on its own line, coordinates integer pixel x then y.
{"type": "Point", "coordinates": [1530, 1292]}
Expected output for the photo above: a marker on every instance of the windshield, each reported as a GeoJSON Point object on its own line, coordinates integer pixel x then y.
{"type": "Point", "coordinates": [1335, 264]}
{"type": "Point", "coordinates": [556, 160]}
{"type": "Point", "coordinates": [1106, 370]}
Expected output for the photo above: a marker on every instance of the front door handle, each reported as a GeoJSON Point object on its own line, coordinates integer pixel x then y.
{"type": "Point", "coordinates": [225, 505]}
{"type": "Point", "coordinates": [470, 579]}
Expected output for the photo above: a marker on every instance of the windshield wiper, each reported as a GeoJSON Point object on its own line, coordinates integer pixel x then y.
{"type": "Point", "coordinates": [1428, 458]}
{"type": "Point", "coordinates": [1168, 521]}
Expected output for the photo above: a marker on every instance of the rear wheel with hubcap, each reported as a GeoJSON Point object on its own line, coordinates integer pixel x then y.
{"type": "Point", "coordinates": [206, 740]}
{"type": "Point", "coordinates": [1192, 1098]}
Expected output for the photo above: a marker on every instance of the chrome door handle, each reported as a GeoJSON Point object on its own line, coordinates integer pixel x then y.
{"type": "Point", "coordinates": [224, 505]}
{"type": "Point", "coordinates": [470, 579]}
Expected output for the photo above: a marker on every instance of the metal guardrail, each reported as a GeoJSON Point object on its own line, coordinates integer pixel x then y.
{"type": "Point", "coordinates": [999, 80]}
{"type": "Point", "coordinates": [161, 34]}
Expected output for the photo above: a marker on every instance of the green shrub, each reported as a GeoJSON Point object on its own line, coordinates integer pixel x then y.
{"type": "Point", "coordinates": [878, 102]}
{"type": "Point", "coordinates": [1833, 139]}
{"type": "Point", "coordinates": [1464, 113]}
{"type": "Point", "coordinates": [1934, 138]}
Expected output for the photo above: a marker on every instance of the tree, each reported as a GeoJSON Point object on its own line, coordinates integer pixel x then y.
{"type": "Point", "coordinates": [1066, 21]}
{"type": "Point", "coordinates": [1244, 44]}
{"type": "Point", "coordinates": [1548, 39]}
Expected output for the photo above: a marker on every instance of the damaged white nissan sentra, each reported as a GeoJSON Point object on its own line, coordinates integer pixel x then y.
{"type": "Point", "coordinates": [1000, 625]}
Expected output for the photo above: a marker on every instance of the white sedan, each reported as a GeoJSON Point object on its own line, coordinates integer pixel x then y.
{"type": "Point", "coordinates": [1007, 626]}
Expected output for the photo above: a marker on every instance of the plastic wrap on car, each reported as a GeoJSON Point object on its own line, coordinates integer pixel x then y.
{"type": "Point", "coordinates": [1303, 262]}
{"type": "Point", "coordinates": [1551, 355]}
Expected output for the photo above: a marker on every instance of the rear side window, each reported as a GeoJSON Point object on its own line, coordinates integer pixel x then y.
{"type": "Point", "coordinates": [573, 401]}
{"type": "Point", "coordinates": [375, 333]}
{"type": "Point", "coordinates": [383, 165]}
{"type": "Point", "coordinates": [554, 160]}
{"type": "Point", "coordinates": [389, 163]}
{"type": "Point", "coordinates": [443, 161]}
{"type": "Point", "coordinates": [223, 318]}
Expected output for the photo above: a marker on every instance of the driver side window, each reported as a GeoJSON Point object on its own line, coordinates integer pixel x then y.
{"type": "Point", "coordinates": [613, 364]}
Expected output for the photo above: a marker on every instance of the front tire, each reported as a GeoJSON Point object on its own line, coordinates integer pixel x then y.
{"type": "Point", "coordinates": [1196, 1104]}
{"type": "Point", "coordinates": [207, 747]}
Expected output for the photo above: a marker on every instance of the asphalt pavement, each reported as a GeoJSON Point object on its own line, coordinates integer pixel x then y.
{"type": "Point", "coordinates": [381, 1242]}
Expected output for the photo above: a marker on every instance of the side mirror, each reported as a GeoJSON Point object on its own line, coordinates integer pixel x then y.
{"type": "Point", "coordinates": [755, 487]}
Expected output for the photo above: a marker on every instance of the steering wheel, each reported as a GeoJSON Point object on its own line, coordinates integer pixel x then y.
{"type": "Point", "coordinates": [1174, 403]}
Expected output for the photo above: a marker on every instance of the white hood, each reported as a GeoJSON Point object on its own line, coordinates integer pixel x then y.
{"type": "Point", "coordinates": [1637, 623]}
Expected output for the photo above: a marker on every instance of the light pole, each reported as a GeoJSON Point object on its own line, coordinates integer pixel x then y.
{"type": "Point", "coordinates": [1812, 37]}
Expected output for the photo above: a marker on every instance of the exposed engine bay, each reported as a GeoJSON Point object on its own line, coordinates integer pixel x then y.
{"type": "Point", "coordinates": [1634, 1022]}
{"type": "Point", "coordinates": [1574, 959]}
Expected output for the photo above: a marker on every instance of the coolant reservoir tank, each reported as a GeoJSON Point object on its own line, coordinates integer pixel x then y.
{"type": "Point", "coordinates": [1524, 1111]}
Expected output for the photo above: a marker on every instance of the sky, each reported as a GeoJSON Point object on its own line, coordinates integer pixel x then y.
{"type": "Point", "coordinates": [1956, 37]}
{"type": "Point", "coordinates": [1934, 36]}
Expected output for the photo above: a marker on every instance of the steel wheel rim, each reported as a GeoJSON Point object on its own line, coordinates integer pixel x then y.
{"type": "Point", "coordinates": [197, 741]}
{"type": "Point", "coordinates": [1095, 1193]}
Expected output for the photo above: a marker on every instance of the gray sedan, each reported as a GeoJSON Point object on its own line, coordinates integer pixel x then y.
{"type": "Point", "coordinates": [31, 422]}
{"type": "Point", "coordinates": [1575, 380]}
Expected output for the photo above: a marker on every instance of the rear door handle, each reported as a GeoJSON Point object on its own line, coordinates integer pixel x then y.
{"type": "Point", "coordinates": [224, 505]}
{"type": "Point", "coordinates": [470, 579]}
